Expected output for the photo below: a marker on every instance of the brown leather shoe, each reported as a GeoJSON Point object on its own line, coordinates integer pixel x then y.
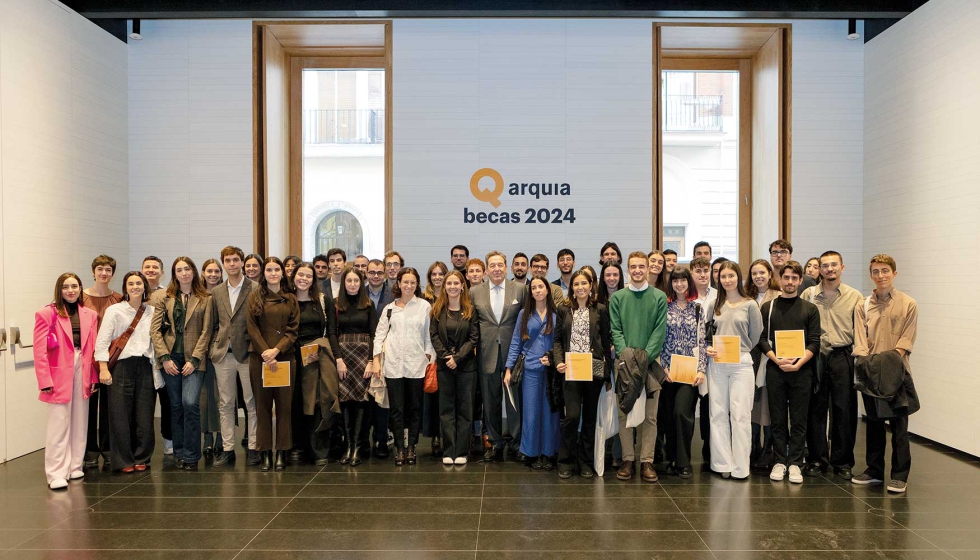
{"type": "Point", "coordinates": [626, 471]}
{"type": "Point", "coordinates": [648, 473]}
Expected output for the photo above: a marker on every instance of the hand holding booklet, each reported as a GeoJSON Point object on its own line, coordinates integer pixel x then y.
{"type": "Point", "coordinates": [790, 344]}
{"type": "Point", "coordinates": [278, 377]}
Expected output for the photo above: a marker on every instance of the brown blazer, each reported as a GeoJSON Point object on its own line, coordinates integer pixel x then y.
{"type": "Point", "coordinates": [198, 325]}
{"type": "Point", "coordinates": [276, 326]}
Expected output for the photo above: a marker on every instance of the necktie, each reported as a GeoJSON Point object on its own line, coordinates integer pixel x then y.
{"type": "Point", "coordinates": [497, 302]}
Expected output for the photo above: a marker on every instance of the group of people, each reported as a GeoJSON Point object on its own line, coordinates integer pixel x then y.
{"type": "Point", "coordinates": [321, 354]}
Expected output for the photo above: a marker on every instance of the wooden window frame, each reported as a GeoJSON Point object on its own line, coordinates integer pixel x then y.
{"type": "Point", "coordinates": [715, 59]}
{"type": "Point", "coordinates": [298, 59]}
{"type": "Point", "coordinates": [744, 67]}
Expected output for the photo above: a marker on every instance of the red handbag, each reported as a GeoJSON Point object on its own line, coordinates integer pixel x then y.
{"type": "Point", "coordinates": [431, 379]}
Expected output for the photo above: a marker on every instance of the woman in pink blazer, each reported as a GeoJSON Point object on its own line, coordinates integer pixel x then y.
{"type": "Point", "coordinates": [64, 348]}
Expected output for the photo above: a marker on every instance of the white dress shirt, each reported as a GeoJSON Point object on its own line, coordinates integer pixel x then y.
{"type": "Point", "coordinates": [497, 299]}
{"type": "Point", "coordinates": [405, 339]}
{"type": "Point", "coordinates": [116, 320]}
{"type": "Point", "coordinates": [235, 291]}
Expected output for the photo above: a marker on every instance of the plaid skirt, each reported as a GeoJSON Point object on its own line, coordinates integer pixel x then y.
{"type": "Point", "coordinates": [355, 349]}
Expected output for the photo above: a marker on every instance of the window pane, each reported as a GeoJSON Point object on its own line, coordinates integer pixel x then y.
{"type": "Point", "coordinates": [343, 161]}
{"type": "Point", "coordinates": [700, 159]}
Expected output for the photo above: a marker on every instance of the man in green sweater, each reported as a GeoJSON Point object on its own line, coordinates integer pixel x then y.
{"type": "Point", "coordinates": [638, 316]}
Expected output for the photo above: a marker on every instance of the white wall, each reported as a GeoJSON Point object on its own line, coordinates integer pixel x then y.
{"type": "Point", "coordinates": [827, 168]}
{"type": "Point", "coordinates": [547, 101]}
{"type": "Point", "coordinates": [921, 200]}
{"type": "Point", "coordinates": [63, 169]}
{"type": "Point", "coordinates": [190, 135]}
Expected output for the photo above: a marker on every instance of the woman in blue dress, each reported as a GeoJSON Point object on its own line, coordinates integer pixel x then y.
{"type": "Point", "coordinates": [534, 337]}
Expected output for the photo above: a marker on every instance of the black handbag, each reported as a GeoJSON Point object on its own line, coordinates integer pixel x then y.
{"type": "Point", "coordinates": [517, 372]}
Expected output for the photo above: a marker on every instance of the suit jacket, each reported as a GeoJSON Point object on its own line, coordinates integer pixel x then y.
{"type": "Point", "coordinates": [600, 335]}
{"type": "Point", "coordinates": [54, 353]}
{"type": "Point", "coordinates": [230, 332]}
{"type": "Point", "coordinates": [198, 326]}
{"type": "Point", "coordinates": [495, 334]}
{"type": "Point", "coordinates": [386, 297]}
{"type": "Point", "coordinates": [460, 342]}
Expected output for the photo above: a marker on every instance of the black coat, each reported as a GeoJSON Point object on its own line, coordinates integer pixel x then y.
{"type": "Point", "coordinates": [461, 342]}
{"type": "Point", "coordinates": [884, 378]}
{"type": "Point", "coordinates": [600, 335]}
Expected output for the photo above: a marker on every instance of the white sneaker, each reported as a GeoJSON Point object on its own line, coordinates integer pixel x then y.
{"type": "Point", "coordinates": [460, 461]}
{"type": "Point", "coordinates": [778, 472]}
{"type": "Point", "coordinates": [447, 460]}
{"type": "Point", "coordinates": [795, 475]}
{"type": "Point", "coordinates": [168, 447]}
{"type": "Point", "coordinates": [58, 484]}
{"type": "Point", "coordinates": [77, 475]}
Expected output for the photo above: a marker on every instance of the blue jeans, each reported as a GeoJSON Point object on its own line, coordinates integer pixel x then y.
{"type": "Point", "coordinates": [185, 411]}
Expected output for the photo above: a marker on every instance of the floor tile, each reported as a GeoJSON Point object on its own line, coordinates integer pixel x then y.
{"type": "Point", "coordinates": [833, 555]}
{"type": "Point", "coordinates": [952, 539]}
{"type": "Point", "coordinates": [583, 522]}
{"type": "Point", "coordinates": [407, 490]}
{"type": "Point", "coordinates": [142, 539]}
{"type": "Point", "coordinates": [596, 555]}
{"type": "Point", "coordinates": [584, 541]}
{"type": "Point", "coordinates": [778, 521]}
{"type": "Point", "coordinates": [578, 505]}
{"type": "Point", "coordinates": [917, 520]}
{"type": "Point", "coordinates": [277, 540]}
{"type": "Point", "coordinates": [356, 555]}
{"type": "Point", "coordinates": [387, 504]}
{"type": "Point", "coordinates": [377, 521]}
{"type": "Point", "coordinates": [201, 505]}
{"type": "Point", "coordinates": [167, 521]}
{"type": "Point", "coordinates": [120, 554]}
{"type": "Point", "coordinates": [557, 490]}
{"type": "Point", "coordinates": [375, 478]}
{"type": "Point", "coordinates": [824, 539]}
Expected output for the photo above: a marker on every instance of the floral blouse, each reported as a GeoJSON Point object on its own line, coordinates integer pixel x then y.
{"type": "Point", "coordinates": [580, 340]}
{"type": "Point", "coordinates": [684, 332]}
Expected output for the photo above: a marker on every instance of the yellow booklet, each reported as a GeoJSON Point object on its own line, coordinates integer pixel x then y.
{"type": "Point", "coordinates": [729, 349]}
{"type": "Point", "coordinates": [683, 369]}
{"type": "Point", "coordinates": [578, 366]}
{"type": "Point", "coordinates": [790, 344]}
{"type": "Point", "coordinates": [309, 352]}
{"type": "Point", "coordinates": [278, 378]}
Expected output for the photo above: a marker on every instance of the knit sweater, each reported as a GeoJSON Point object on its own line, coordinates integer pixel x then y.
{"type": "Point", "coordinates": [639, 320]}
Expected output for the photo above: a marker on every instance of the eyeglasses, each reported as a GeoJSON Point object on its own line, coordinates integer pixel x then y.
{"type": "Point", "coordinates": [375, 273]}
{"type": "Point", "coordinates": [780, 253]}
{"type": "Point", "coordinates": [392, 265]}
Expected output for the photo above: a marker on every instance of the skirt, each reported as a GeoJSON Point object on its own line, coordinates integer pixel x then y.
{"type": "Point", "coordinates": [355, 349]}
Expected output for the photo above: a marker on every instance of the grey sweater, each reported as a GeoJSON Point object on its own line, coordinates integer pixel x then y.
{"type": "Point", "coordinates": [743, 320]}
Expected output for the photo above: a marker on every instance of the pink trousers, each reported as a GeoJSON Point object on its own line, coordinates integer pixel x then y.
{"type": "Point", "coordinates": [67, 429]}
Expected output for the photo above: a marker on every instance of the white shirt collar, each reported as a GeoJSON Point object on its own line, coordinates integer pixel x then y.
{"type": "Point", "coordinates": [641, 288]}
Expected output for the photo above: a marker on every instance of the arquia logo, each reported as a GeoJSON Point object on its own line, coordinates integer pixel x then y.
{"type": "Point", "coordinates": [531, 215]}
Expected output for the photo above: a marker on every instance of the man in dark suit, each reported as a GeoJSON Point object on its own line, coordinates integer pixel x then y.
{"type": "Point", "coordinates": [497, 303]}
{"type": "Point", "coordinates": [229, 354]}
{"type": "Point", "coordinates": [379, 290]}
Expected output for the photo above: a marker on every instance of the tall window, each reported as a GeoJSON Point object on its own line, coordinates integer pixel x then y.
{"type": "Point", "coordinates": [699, 110]}
{"type": "Point", "coordinates": [340, 229]}
{"type": "Point", "coordinates": [343, 124]}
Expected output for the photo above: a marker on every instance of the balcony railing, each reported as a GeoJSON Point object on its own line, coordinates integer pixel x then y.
{"type": "Point", "coordinates": [343, 126]}
{"type": "Point", "coordinates": [693, 113]}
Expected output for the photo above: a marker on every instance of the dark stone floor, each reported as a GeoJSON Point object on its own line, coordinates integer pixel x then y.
{"type": "Point", "coordinates": [497, 511]}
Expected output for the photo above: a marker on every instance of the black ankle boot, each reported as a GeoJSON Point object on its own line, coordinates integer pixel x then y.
{"type": "Point", "coordinates": [280, 460]}
{"type": "Point", "coordinates": [354, 434]}
{"type": "Point", "coordinates": [348, 439]}
{"type": "Point", "coordinates": [266, 464]}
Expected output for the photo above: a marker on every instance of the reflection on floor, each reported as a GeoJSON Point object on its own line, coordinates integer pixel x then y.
{"type": "Point", "coordinates": [501, 510]}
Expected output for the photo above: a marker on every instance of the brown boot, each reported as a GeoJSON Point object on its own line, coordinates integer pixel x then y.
{"type": "Point", "coordinates": [647, 472]}
{"type": "Point", "coordinates": [626, 471]}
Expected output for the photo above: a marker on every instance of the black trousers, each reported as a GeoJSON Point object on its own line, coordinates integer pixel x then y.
{"type": "Point", "coordinates": [379, 421]}
{"type": "Point", "coordinates": [431, 422]}
{"type": "Point", "coordinates": [901, 452]}
{"type": "Point", "coordinates": [789, 393]}
{"type": "Point", "coordinates": [405, 397]}
{"type": "Point", "coordinates": [834, 393]}
{"type": "Point", "coordinates": [457, 391]}
{"type": "Point", "coordinates": [705, 429]}
{"type": "Point", "coordinates": [133, 403]}
{"type": "Point", "coordinates": [98, 423]}
{"type": "Point", "coordinates": [680, 399]}
{"type": "Point", "coordinates": [581, 403]}
{"type": "Point", "coordinates": [492, 388]}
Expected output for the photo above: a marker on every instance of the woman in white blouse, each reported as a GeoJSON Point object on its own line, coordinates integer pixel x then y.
{"type": "Point", "coordinates": [403, 334]}
{"type": "Point", "coordinates": [133, 381]}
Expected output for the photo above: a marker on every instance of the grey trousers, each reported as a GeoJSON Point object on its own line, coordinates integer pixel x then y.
{"type": "Point", "coordinates": [645, 432]}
